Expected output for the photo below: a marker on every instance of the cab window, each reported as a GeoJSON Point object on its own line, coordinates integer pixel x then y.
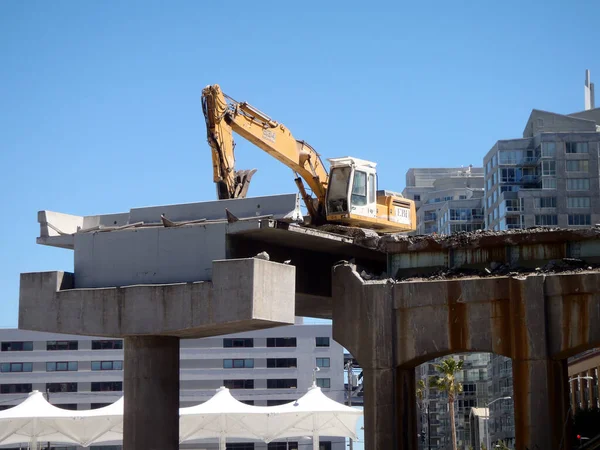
{"type": "Point", "coordinates": [359, 189]}
{"type": "Point", "coordinates": [372, 188]}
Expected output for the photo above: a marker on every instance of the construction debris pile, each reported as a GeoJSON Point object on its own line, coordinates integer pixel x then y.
{"type": "Point", "coordinates": [563, 266]}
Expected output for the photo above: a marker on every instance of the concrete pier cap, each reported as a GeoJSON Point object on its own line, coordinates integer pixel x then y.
{"type": "Point", "coordinates": [244, 295]}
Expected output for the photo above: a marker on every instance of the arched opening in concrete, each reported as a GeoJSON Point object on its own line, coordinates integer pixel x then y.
{"type": "Point", "coordinates": [486, 379]}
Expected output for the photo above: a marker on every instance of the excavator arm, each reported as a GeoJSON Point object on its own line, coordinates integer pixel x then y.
{"type": "Point", "coordinates": [224, 116]}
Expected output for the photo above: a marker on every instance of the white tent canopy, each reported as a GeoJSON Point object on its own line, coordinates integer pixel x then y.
{"type": "Point", "coordinates": [222, 417]}
{"type": "Point", "coordinates": [314, 414]}
{"type": "Point", "coordinates": [34, 420]}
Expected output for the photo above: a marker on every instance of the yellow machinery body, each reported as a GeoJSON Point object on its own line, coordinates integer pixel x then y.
{"type": "Point", "coordinates": [347, 196]}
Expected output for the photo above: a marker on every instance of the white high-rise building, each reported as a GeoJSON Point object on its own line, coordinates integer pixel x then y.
{"type": "Point", "coordinates": [266, 367]}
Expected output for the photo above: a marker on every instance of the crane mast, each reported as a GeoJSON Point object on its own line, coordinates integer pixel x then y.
{"type": "Point", "coordinates": [224, 116]}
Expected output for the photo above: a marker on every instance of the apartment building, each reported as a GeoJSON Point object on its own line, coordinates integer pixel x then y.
{"type": "Point", "coordinates": [266, 367]}
{"type": "Point", "coordinates": [549, 177]}
{"type": "Point", "coordinates": [447, 200]}
{"type": "Point", "coordinates": [434, 421]}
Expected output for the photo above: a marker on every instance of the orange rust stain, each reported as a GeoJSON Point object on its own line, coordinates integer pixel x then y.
{"type": "Point", "coordinates": [519, 338]}
{"type": "Point", "coordinates": [457, 317]}
{"type": "Point", "coordinates": [575, 321]}
{"type": "Point", "coordinates": [520, 354]}
{"type": "Point", "coordinates": [500, 327]}
{"type": "Point", "coordinates": [521, 399]}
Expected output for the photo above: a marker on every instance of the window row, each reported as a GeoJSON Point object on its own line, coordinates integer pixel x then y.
{"type": "Point", "coordinates": [572, 202]}
{"type": "Point", "coordinates": [100, 386]}
{"type": "Point", "coordinates": [278, 383]}
{"type": "Point", "coordinates": [573, 219]}
{"type": "Point", "coordinates": [21, 346]}
{"type": "Point", "coordinates": [271, 342]}
{"type": "Point", "coordinates": [16, 367]}
{"type": "Point", "coordinates": [107, 365]}
{"type": "Point", "coordinates": [289, 445]}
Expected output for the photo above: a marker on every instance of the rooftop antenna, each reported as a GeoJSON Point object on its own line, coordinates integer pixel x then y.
{"type": "Point", "coordinates": [588, 90]}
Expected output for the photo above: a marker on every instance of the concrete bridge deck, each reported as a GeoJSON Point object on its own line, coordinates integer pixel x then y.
{"type": "Point", "coordinates": [395, 301]}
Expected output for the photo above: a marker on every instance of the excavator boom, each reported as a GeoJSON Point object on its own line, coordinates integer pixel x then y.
{"type": "Point", "coordinates": [225, 115]}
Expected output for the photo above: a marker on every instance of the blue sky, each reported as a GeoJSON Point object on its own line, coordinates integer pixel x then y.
{"type": "Point", "coordinates": [100, 101]}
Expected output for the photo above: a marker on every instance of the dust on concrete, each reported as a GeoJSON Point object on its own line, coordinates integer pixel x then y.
{"type": "Point", "coordinates": [563, 266]}
{"type": "Point", "coordinates": [372, 239]}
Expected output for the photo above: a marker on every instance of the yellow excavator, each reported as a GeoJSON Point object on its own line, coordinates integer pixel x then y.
{"type": "Point", "coordinates": [346, 196]}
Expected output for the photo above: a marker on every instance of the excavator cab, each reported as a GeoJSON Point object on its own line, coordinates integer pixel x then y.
{"type": "Point", "coordinates": [352, 187]}
{"type": "Point", "coordinates": [353, 198]}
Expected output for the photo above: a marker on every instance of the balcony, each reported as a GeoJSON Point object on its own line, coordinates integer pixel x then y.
{"type": "Point", "coordinates": [529, 161]}
{"type": "Point", "coordinates": [531, 181]}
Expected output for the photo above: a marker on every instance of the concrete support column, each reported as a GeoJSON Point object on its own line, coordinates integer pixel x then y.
{"type": "Point", "coordinates": [363, 322]}
{"type": "Point", "coordinates": [151, 391]}
{"type": "Point", "coordinates": [406, 413]}
{"type": "Point", "coordinates": [541, 401]}
{"type": "Point", "coordinates": [379, 407]}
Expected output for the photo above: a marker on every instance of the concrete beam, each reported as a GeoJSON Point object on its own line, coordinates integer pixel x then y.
{"type": "Point", "coordinates": [244, 295]}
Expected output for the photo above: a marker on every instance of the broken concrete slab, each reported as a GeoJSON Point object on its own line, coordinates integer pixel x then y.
{"type": "Point", "coordinates": [244, 295]}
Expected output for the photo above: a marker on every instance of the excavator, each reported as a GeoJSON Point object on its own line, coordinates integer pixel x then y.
{"type": "Point", "coordinates": [347, 195]}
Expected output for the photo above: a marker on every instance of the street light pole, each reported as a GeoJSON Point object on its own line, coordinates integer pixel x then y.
{"type": "Point", "coordinates": [487, 422]}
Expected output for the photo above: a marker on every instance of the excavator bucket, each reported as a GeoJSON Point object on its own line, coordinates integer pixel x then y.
{"type": "Point", "coordinates": [242, 182]}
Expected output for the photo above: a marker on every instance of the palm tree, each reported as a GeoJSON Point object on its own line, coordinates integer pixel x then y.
{"type": "Point", "coordinates": [446, 382]}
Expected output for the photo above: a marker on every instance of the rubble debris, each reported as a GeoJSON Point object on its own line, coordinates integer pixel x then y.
{"type": "Point", "coordinates": [559, 266]}
{"type": "Point", "coordinates": [263, 255]}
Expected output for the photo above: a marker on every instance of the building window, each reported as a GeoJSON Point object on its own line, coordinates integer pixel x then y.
{"type": "Point", "coordinates": [281, 342]}
{"type": "Point", "coordinates": [238, 363]}
{"type": "Point", "coordinates": [282, 446]}
{"type": "Point", "coordinates": [107, 386]}
{"type": "Point", "coordinates": [417, 197]}
{"type": "Point", "coordinates": [548, 149]}
{"type": "Point", "coordinates": [510, 156]}
{"type": "Point", "coordinates": [282, 383]}
{"type": "Point", "coordinates": [113, 344]}
{"type": "Point", "coordinates": [247, 402]}
{"type": "Point", "coordinates": [323, 362]}
{"type": "Point", "coordinates": [580, 219]}
{"type": "Point", "coordinates": [548, 183]}
{"type": "Point", "coordinates": [281, 362]}
{"type": "Point", "coordinates": [578, 184]}
{"type": "Point", "coordinates": [324, 383]}
{"type": "Point", "coordinates": [17, 346]}
{"type": "Point", "coordinates": [277, 402]}
{"type": "Point", "coordinates": [322, 342]}
{"type": "Point", "coordinates": [549, 168]}
{"type": "Point", "coordinates": [61, 387]}
{"type": "Point", "coordinates": [462, 197]}
{"type": "Point", "coordinates": [469, 388]}
{"type": "Point", "coordinates": [508, 175]}
{"type": "Point", "coordinates": [107, 365]}
{"type": "Point", "coordinates": [98, 406]}
{"type": "Point", "coordinates": [69, 406]}
{"type": "Point", "coordinates": [578, 165]}
{"type": "Point", "coordinates": [545, 202]}
{"type": "Point", "coordinates": [63, 366]}
{"type": "Point", "coordinates": [576, 147]}
{"type": "Point", "coordinates": [546, 219]}
{"type": "Point", "coordinates": [240, 446]}
{"type": "Point", "coordinates": [21, 388]}
{"type": "Point", "coordinates": [62, 345]}
{"type": "Point", "coordinates": [579, 202]}
{"type": "Point", "coordinates": [238, 342]}
{"type": "Point", "coordinates": [16, 367]}
{"type": "Point", "coordinates": [238, 384]}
